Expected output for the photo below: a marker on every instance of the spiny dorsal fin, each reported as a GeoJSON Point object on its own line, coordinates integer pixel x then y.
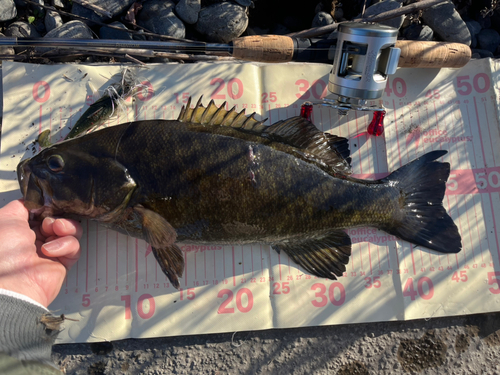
{"type": "Point", "coordinates": [213, 115]}
{"type": "Point", "coordinates": [326, 149]}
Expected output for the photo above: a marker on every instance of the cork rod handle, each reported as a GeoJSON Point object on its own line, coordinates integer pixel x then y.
{"type": "Point", "coordinates": [416, 54]}
{"type": "Point", "coordinates": [264, 48]}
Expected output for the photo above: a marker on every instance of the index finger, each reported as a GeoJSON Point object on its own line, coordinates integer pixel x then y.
{"type": "Point", "coordinates": [67, 227]}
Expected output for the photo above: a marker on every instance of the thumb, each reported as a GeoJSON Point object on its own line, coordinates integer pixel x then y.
{"type": "Point", "coordinates": [14, 209]}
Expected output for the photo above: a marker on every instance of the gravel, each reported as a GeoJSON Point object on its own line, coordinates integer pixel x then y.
{"type": "Point", "coordinates": [457, 345]}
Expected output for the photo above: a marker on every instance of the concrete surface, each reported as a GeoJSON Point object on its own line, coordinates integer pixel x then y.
{"type": "Point", "coordinates": [458, 345]}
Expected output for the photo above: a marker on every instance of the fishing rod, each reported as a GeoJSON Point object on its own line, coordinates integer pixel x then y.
{"type": "Point", "coordinates": [265, 48]}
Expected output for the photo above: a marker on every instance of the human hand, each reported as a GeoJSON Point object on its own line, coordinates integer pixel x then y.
{"type": "Point", "coordinates": [34, 261]}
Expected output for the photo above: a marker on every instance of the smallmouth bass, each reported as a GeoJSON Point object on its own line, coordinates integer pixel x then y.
{"type": "Point", "coordinates": [220, 177]}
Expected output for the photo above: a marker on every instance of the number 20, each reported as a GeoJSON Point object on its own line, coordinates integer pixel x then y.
{"type": "Point", "coordinates": [223, 309]}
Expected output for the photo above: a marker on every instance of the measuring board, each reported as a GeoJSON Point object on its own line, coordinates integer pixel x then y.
{"type": "Point", "coordinates": [117, 290]}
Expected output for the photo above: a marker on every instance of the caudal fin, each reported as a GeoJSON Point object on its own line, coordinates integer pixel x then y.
{"type": "Point", "coordinates": [423, 219]}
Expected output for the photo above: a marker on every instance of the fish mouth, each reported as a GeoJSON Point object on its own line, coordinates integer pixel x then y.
{"type": "Point", "coordinates": [23, 175]}
{"type": "Point", "coordinates": [35, 201]}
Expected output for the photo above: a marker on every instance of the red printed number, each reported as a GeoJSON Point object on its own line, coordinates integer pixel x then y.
{"type": "Point", "coordinates": [144, 310]}
{"type": "Point", "coordinates": [241, 305]}
{"type": "Point", "coordinates": [269, 97]}
{"type": "Point", "coordinates": [190, 294]}
{"type": "Point", "coordinates": [432, 94]}
{"type": "Point", "coordinates": [36, 91]}
{"type": "Point", "coordinates": [140, 306]}
{"type": "Point", "coordinates": [336, 298]}
{"type": "Point", "coordinates": [492, 179]}
{"type": "Point", "coordinates": [185, 97]}
{"type": "Point", "coordinates": [460, 277]}
{"type": "Point", "coordinates": [128, 312]}
{"type": "Point", "coordinates": [285, 288]}
{"type": "Point", "coordinates": [148, 87]}
{"type": "Point", "coordinates": [318, 89]}
{"type": "Point", "coordinates": [409, 291]}
{"type": "Point", "coordinates": [86, 300]}
{"type": "Point", "coordinates": [234, 88]}
{"type": "Point", "coordinates": [493, 280]}
{"type": "Point", "coordinates": [398, 87]}
{"type": "Point", "coordinates": [373, 282]}
{"type": "Point", "coordinates": [480, 82]}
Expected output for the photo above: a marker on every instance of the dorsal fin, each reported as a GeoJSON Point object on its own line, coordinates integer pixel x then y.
{"type": "Point", "coordinates": [326, 149]}
{"type": "Point", "coordinates": [301, 133]}
{"type": "Point", "coordinates": [213, 115]}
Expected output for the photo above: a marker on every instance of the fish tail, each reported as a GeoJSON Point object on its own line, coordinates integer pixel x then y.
{"type": "Point", "coordinates": [422, 219]}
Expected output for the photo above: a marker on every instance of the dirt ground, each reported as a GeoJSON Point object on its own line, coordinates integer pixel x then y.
{"type": "Point", "coordinates": [458, 345]}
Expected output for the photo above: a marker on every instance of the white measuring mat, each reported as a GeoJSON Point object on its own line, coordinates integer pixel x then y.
{"type": "Point", "coordinates": [117, 290]}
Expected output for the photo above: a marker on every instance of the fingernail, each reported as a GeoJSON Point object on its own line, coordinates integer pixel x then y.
{"type": "Point", "coordinates": [62, 224]}
{"type": "Point", "coordinates": [52, 246]}
{"type": "Point", "coordinates": [49, 220]}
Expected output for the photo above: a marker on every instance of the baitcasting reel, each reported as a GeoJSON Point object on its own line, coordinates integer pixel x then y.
{"type": "Point", "coordinates": [365, 56]}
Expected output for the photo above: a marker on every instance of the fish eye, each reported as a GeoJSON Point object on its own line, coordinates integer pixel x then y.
{"type": "Point", "coordinates": [55, 163]}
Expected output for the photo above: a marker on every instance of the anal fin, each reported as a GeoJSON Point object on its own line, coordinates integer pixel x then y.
{"type": "Point", "coordinates": [324, 257]}
{"type": "Point", "coordinates": [161, 236]}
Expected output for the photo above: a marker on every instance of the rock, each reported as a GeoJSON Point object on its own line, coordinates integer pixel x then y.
{"type": "Point", "coordinates": [385, 6]}
{"type": "Point", "coordinates": [473, 42]}
{"type": "Point", "coordinates": [8, 10]}
{"type": "Point", "coordinates": [244, 3]}
{"type": "Point", "coordinates": [339, 13]}
{"type": "Point", "coordinates": [485, 22]}
{"type": "Point", "coordinates": [426, 33]}
{"type": "Point", "coordinates": [158, 16]}
{"type": "Point", "coordinates": [188, 10]}
{"type": "Point", "coordinates": [58, 4]}
{"type": "Point", "coordinates": [114, 7]}
{"type": "Point", "coordinates": [412, 32]}
{"type": "Point", "coordinates": [223, 22]}
{"type": "Point", "coordinates": [52, 20]}
{"type": "Point", "coordinates": [474, 27]}
{"type": "Point", "coordinates": [71, 29]}
{"type": "Point", "coordinates": [322, 19]}
{"type": "Point", "coordinates": [488, 39]}
{"type": "Point", "coordinates": [37, 9]}
{"type": "Point", "coordinates": [445, 21]}
{"type": "Point", "coordinates": [20, 4]}
{"type": "Point", "coordinates": [109, 33]}
{"type": "Point", "coordinates": [81, 11]}
{"type": "Point", "coordinates": [21, 30]}
{"type": "Point", "coordinates": [139, 36]}
{"type": "Point", "coordinates": [5, 50]}
{"type": "Point", "coordinates": [482, 52]}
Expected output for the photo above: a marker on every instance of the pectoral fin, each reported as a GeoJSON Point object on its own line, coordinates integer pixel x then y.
{"type": "Point", "coordinates": [324, 257]}
{"type": "Point", "coordinates": [161, 236]}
